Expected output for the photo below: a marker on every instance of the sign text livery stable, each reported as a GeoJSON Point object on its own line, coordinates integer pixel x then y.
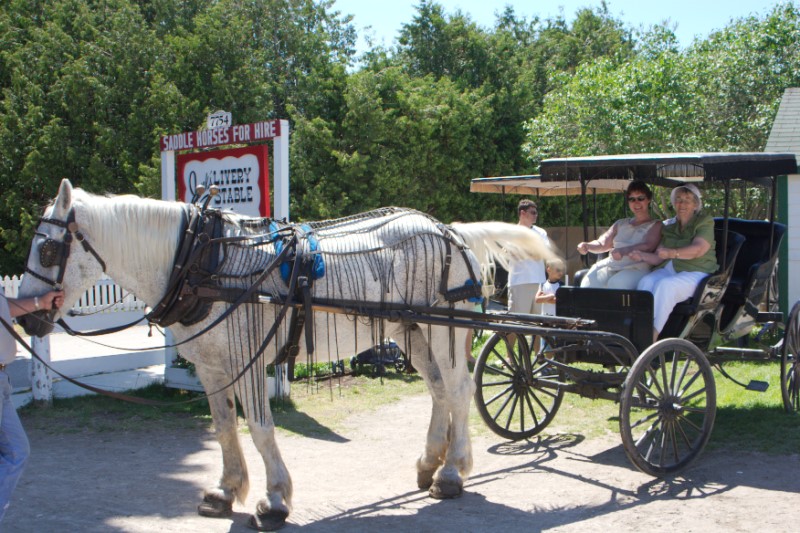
{"type": "Point", "coordinates": [240, 174]}
{"type": "Point", "coordinates": [237, 134]}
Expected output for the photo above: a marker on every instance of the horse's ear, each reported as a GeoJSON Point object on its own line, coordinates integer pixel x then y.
{"type": "Point", "coordinates": [64, 199]}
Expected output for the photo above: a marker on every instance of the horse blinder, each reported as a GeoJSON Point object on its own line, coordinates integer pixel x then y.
{"type": "Point", "coordinates": [52, 253]}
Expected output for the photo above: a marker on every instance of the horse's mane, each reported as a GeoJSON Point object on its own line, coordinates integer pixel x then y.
{"type": "Point", "coordinates": [120, 220]}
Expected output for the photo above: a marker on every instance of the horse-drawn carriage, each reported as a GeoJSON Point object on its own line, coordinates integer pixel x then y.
{"type": "Point", "coordinates": [241, 293]}
{"type": "Point", "coordinates": [665, 390]}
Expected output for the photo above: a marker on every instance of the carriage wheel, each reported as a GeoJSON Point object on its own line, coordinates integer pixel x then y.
{"type": "Point", "coordinates": [510, 394]}
{"type": "Point", "coordinates": [667, 407]}
{"type": "Point", "coordinates": [790, 367]}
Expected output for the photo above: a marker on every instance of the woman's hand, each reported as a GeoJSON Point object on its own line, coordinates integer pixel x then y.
{"type": "Point", "coordinates": [51, 300]}
{"type": "Point", "coordinates": [665, 253]}
{"type": "Point", "coordinates": [583, 248]}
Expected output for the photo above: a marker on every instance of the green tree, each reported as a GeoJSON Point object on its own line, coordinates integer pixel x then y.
{"type": "Point", "coordinates": [74, 75]}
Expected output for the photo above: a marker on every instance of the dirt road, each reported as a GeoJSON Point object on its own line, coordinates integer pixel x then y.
{"type": "Point", "coordinates": [363, 479]}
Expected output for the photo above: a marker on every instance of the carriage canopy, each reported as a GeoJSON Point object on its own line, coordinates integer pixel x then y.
{"type": "Point", "coordinates": [670, 169]}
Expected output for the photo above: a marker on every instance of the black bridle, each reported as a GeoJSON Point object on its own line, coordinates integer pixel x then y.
{"type": "Point", "coordinates": [53, 252]}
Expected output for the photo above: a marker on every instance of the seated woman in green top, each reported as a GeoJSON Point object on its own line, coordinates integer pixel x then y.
{"type": "Point", "coordinates": [684, 258]}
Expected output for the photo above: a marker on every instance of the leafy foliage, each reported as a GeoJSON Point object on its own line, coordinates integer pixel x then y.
{"type": "Point", "coordinates": [88, 86]}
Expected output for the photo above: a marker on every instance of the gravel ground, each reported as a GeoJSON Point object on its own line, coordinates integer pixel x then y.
{"type": "Point", "coordinates": [363, 479]}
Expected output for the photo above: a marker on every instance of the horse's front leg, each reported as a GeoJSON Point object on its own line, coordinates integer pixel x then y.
{"type": "Point", "coordinates": [233, 484]}
{"type": "Point", "coordinates": [272, 511]}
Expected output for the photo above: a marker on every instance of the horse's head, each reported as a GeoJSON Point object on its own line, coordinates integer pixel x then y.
{"type": "Point", "coordinates": [57, 260]}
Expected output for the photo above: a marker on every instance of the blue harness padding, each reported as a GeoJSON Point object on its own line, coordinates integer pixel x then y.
{"type": "Point", "coordinates": [475, 299]}
{"type": "Point", "coordinates": [318, 263]}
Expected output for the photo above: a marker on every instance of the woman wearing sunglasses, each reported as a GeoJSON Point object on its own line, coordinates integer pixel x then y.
{"type": "Point", "coordinates": [637, 233]}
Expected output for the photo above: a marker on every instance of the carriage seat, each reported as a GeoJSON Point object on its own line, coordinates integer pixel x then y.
{"type": "Point", "coordinates": [755, 262]}
{"type": "Point", "coordinates": [709, 291]}
{"type": "Point", "coordinates": [579, 274]}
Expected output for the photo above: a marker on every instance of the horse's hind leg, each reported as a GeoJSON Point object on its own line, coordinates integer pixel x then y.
{"type": "Point", "coordinates": [233, 484]}
{"type": "Point", "coordinates": [447, 458]}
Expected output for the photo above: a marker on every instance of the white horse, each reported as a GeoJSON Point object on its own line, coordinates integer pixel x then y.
{"type": "Point", "coordinates": [135, 241]}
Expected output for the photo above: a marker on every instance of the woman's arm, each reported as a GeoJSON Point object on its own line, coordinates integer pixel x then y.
{"type": "Point", "coordinates": [46, 302]}
{"type": "Point", "coordinates": [650, 258]}
{"type": "Point", "coordinates": [601, 244]}
{"type": "Point", "coordinates": [697, 248]}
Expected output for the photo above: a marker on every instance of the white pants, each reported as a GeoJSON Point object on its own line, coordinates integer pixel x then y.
{"type": "Point", "coordinates": [522, 298]}
{"type": "Point", "coordinates": [669, 288]}
{"type": "Point", "coordinates": [605, 278]}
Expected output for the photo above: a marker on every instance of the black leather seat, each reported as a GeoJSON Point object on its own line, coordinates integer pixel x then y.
{"type": "Point", "coordinates": [754, 265]}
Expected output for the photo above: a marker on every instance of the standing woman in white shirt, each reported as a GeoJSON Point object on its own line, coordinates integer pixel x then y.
{"type": "Point", "coordinates": [527, 275]}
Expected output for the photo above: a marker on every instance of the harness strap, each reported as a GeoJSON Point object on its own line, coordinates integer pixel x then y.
{"type": "Point", "coordinates": [88, 247]}
{"type": "Point", "coordinates": [180, 267]}
{"type": "Point", "coordinates": [245, 295]}
{"type": "Point", "coordinates": [302, 265]}
{"type": "Point", "coordinates": [468, 290]}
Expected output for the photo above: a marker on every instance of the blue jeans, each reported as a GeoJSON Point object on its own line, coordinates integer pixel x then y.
{"type": "Point", "coordinates": [14, 447]}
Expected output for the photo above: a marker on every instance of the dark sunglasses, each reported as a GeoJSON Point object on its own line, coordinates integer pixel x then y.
{"type": "Point", "coordinates": [637, 198]}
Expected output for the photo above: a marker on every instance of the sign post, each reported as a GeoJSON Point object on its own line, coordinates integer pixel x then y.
{"type": "Point", "coordinates": [221, 132]}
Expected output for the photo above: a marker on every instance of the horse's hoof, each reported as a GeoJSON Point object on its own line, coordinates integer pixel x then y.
{"type": "Point", "coordinates": [425, 479]}
{"type": "Point", "coordinates": [443, 490]}
{"type": "Point", "coordinates": [215, 507]}
{"type": "Point", "coordinates": [267, 519]}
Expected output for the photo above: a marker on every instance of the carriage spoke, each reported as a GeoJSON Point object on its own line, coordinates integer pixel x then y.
{"type": "Point", "coordinates": [500, 394]}
{"type": "Point", "coordinates": [502, 408]}
{"type": "Point", "coordinates": [651, 436]}
{"type": "Point", "coordinates": [528, 394]}
{"type": "Point", "coordinates": [692, 424]}
{"type": "Point", "coordinates": [644, 388]}
{"type": "Point", "coordinates": [684, 370]}
{"type": "Point", "coordinates": [673, 376]}
{"type": "Point", "coordinates": [511, 411]}
{"type": "Point", "coordinates": [647, 418]}
{"type": "Point", "coordinates": [646, 435]}
{"type": "Point", "coordinates": [693, 395]}
{"type": "Point", "coordinates": [654, 380]}
{"type": "Point", "coordinates": [674, 441]}
{"type": "Point", "coordinates": [682, 423]}
{"type": "Point", "coordinates": [662, 363]}
{"type": "Point", "coordinates": [689, 384]}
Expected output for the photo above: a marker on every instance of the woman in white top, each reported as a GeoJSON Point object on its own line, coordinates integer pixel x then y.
{"type": "Point", "coordinates": [640, 232]}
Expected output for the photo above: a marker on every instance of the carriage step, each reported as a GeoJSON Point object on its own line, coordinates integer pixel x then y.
{"type": "Point", "coordinates": [763, 317]}
{"type": "Point", "coordinates": [758, 386]}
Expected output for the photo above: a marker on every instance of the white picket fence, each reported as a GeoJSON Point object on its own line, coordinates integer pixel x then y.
{"type": "Point", "coordinates": [104, 297]}
{"type": "Point", "coordinates": [107, 304]}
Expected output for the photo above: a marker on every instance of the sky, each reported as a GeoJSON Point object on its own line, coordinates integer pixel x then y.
{"type": "Point", "coordinates": [694, 18]}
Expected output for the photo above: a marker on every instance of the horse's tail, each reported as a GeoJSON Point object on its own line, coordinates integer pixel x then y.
{"type": "Point", "coordinates": [501, 243]}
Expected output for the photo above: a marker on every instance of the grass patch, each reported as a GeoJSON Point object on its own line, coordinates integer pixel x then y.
{"type": "Point", "coordinates": [102, 414]}
{"type": "Point", "coordinates": [316, 408]}
{"type": "Point", "coordinates": [746, 420]}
